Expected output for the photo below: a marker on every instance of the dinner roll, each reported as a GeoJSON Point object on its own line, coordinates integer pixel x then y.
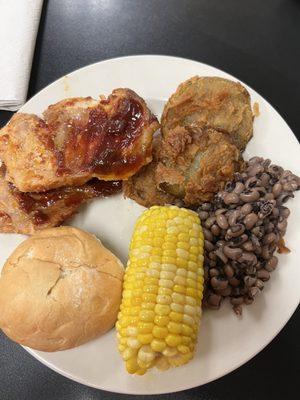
{"type": "Point", "coordinates": [60, 288]}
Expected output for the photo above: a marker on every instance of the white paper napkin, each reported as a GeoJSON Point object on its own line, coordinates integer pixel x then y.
{"type": "Point", "coordinates": [19, 21]}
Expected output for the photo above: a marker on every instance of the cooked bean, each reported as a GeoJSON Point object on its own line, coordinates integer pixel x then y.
{"type": "Point", "coordinates": [224, 292]}
{"type": "Point", "coordinates": [251, 182]}
{"type": "Point", "coordinates": [235, 230]}
{"type": "Point", "coordinates": [254, 291]}
{"type": "Point", "coordinates": [248, 246]}
{"type": "Point", "coordinates": [248, 196]}
{"type": "Point", "coordinates": [207, 234]}
{"type": "Point", "coordinates": [229, 271]}
{"type": "Point", "coordinates": [248, 258]}
{"type": "Point", "coordinates": [215, 230]}
{"type": "Point", "coordinates": [209, 222]}
{"type": "Point", "coordinates": [271, 264]}
{"type": "Point", "coordinates": [238, 240]}
{"type": "Point", "coordinates": [220, 211]}
{"type": "Point", "coordinates": [208, 245]}
{"type": "Point", "coordinates": [275, 212]}
{"type": "Point", "coordinates": [265, 179]}
{"type": "Point", "coordinates": [219, 283]}
{"type": "Point", "coordinates": [203, 215]}
{"type": "Point", "coordinates": [249, 281]}
{"type": "Point", "coordinates": [259, 284]}
{"type": "Point", "coordinates": [265, 252]}
{"type": "Point", "coordinates": [269, 238]}
{"type": "Point", "coordinates": [283, 198]}
{"type": "Point", "coordinates": [234, 281]}
{"type": "Point", "coordinates": [233, 217]}
{"type": "Point", "coordinates": [275, 170]}
{"type": "Point", "coordinates": [284, 212]}
{"type": "Point", "coordinates": [250, 270]}
{"type": "Point", "coordinates": [232, 253]}
{"type": "Point", "coordinates": [255, 170]}
{"type": "Point", "coordinates": [269, 227]}
{"type": "Point", "coordinates": [245, 221]}
{"type": "Point", "coordinates": [231, 198]}
{"type": "Point", "coordinates": [269, 196]}
{"type": "Point", "coordinates": [236, 301]}
{"type": "Point", "coordinates": [282, 225]}
{"type": "Point", "coordinates": [239, 187]}
{"type": "Point", "coordinates": [206, 206]}
{"type": "Point", "coordinates": [250, 220]}
{"type": "Point", "coordinates": [290, 186]}
{"type": "Point", "coordinates": [222, 221]}
{"type": "Point", "coordinates": [248, 300]}
{"type": "Point", "coordinates": [246, 209]}
{"type": "Point", "coordinates": [214, 272]}
{"type": "Point", "coordinates": [254, 160]}
{"type": "Point", "coordinates": [214, 299]}
{"type": "Point", "coordinates": [277, 188]}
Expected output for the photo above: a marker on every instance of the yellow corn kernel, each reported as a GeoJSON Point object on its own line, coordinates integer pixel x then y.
{"type": "Point", "coordinates": [175, 316]}
{"type": "Point", "coordinates": [180, 289]}
{"type": "Point", "coordinates": [132, 365]}
{"type": "Point", "coordinates": [173, 340]}
{"type": "Point", "coordinates": [161, 309]}
{"type": "Point", "coordinates": [165, 291]}
{"type": "Point", "coordinates": [163, 287]}
{"type": "Point", "coordinates": [147, 315]}
{"type": "Point", "coordinates": [145, 327]}
{"type": "Point", "coordinates": [178, 298]}
{"type": "Point", "coordinates": [145, 338]}
{"type": "Point", "coordinates": [158, 345]}
{"type": "Point", "coordinates": [160, 332]}
{"type": "Point", "coordinates": [187, 330]}
{"type": "Point", "coordinates": [161, 320]}
{"type": "Point", "coordinates": [148, 306]}
{"type": "Point", "coordinates": [181, 262]}
{"type": "Point", "coordinates": [191, 292]}
{"type": "Point", "coordinates": [183, 349]}
{"type": "Point", "coordinates": [174, 327]}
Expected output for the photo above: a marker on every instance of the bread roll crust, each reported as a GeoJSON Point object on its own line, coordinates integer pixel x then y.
{"type": "Point", "coordinates": [59, 289]}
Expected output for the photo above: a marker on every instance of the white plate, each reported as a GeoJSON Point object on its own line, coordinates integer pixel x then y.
{"type": "Point", "coordinates": [225, 342]}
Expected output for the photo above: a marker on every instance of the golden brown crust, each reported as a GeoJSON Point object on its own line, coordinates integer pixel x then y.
{"type": "Point", "coordinates": [211, 101]}
{"type": "Point", "coordinates": [142, 186]}
{"type": "Point", "coordinates": [59, 289]}
{"type": "Point", "coordinates": [78, 139]}
{"type": "Point", "coordinates": [195, 165]}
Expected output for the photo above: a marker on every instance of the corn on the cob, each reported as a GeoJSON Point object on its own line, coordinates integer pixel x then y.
{"type": "Point", "coordinates": [163, 287]}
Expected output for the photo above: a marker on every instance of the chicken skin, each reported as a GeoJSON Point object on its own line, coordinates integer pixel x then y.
{"type": "Point", "coordinates": [78, 139]}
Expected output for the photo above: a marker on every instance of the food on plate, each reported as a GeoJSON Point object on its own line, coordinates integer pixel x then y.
{"type": "Point", "coordinates": [59, 289]}
{"type": "Point", "coordinates": [142, 187]}
{"type": "Point", "coordinates": [205, 126]}
{"type": "Point", "coordinates": [27, 213]}
{"type": "Point", "coordinates": [243, 227]}
{"type": "Point", "coordinates": [211, 101]}
{"type": "Point", "coordinates": [196, 163]}
{"type": "Point", "coordinates": [163, 284]}
{"type": "Point", "coordinates": [78, 139]}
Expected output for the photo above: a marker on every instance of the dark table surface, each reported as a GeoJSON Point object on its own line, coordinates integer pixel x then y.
{"type": "Point", "coordinates": [258, 42]}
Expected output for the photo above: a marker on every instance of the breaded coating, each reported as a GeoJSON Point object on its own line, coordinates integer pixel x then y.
{"type": "Point", "coordinates": [214, 102]}
{"type": "Point", "coordinates": [142, 186]}
{"type": "Point", "coordinates": [195, 164]}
